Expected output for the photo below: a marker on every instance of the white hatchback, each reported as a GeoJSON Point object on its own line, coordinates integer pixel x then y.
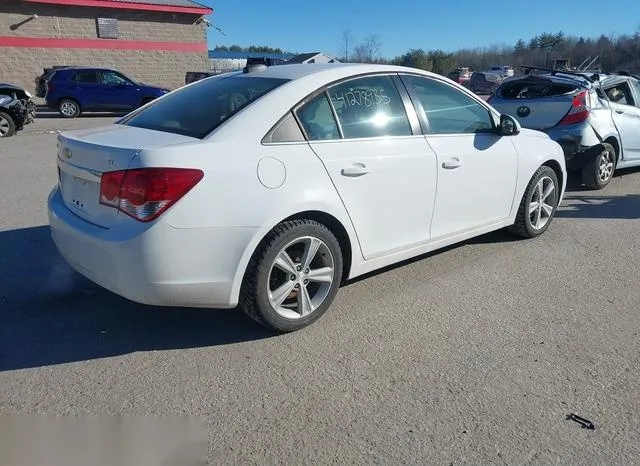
{"type": "Point", "coordinates": [267, 189]}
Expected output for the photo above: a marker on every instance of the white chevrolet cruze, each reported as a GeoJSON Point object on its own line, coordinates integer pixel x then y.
{"type": "Point", "coordinates": [269, 188]}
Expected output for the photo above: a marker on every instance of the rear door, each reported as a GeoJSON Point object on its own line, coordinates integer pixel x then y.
{"type": "Point", "coordinates": [626, 115]}
{"type": "Point", "coordinates": [84, 86]}
{"type": "Point", "coordinates": [382, 168]}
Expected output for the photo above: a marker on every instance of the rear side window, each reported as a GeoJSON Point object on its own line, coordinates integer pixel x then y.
{"type": "Point", "coordinates": [85, 77]}
{"type": "Point", "coordinates": [317, 119]}
{"type": "Point", "coordinates": [200, 108]}
{"type": "Point", "coordinates": [370, 107]}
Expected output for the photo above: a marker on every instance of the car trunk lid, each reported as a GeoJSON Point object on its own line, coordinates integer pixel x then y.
{"type": "Point", "coordinates": [83, 156]}
{"type": "Point", "coordinates": [537, 103]}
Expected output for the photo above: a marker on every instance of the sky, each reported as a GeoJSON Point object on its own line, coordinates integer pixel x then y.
{"type": "Point", "coordinates": [300, 26]}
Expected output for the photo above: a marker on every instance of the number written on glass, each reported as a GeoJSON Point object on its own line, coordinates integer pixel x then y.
{"type": "Point", "coordinates": [362, 98]}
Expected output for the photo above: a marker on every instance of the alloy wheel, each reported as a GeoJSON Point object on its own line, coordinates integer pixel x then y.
{"type": "Point", "coordinates": [5, 127]}
{"type": "Point", "coordinates": [68, 109]}
{"type": "Point", "coordinates": [300, 277]}
{"type": "Point", "coordinates": [605, 168]}
{"type": "Point", "coordinates": [542, 202]}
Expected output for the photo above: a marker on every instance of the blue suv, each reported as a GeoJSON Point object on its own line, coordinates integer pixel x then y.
{"type": "Point", "coordinates": [73, 90]}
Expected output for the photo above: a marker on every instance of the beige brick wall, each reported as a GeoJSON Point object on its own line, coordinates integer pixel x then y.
{"type": "Point", "coordinates": [22, 65]}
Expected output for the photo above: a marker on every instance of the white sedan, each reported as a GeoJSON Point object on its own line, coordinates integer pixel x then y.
{"type": "Point", "coordinates": [269, 188]}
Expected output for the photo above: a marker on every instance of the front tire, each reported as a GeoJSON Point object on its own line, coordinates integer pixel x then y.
{"type": "Point", "coordinates": [293, 277]}
{"type": "Point", "coordinates": [598, 172]}
{"type": "Point", "coordinates": [7, 126]}
{"type": "Point", "coordinates": [69, 108]}
{"type": "Point", "coordinates": [538, 205]}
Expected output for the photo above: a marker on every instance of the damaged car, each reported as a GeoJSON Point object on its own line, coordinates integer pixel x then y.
{"type": "Point", "coordinates": [17, 109]}
{"type": "Point", "coordinates": [595, 117]}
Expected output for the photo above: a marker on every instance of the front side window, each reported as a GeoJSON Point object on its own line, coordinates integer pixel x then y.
{"type": "Point", "coordinates": [446, 109]}
{"type": "Point", "coordinates": [113, 79]}
{"type": "Point", "coordinates": [198, 109]}
{"type": "Point", "coordinates": [370, 107]}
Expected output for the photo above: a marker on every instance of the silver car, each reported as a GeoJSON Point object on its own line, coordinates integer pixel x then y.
{"type": "Point", "coordinates": [595, 118]}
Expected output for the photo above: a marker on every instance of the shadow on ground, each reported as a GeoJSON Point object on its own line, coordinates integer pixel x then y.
{"type": "Point", "coordinates": [574, 179]}
{"type": "Point", "coordinates": [498, 236]}
{"type": "Point", "coordinates": [50, 315]}
{"type": "Point", "coordinates": [604, 207]}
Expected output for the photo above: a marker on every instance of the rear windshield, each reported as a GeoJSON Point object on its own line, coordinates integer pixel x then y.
{"type": "Point", "coordinates": [200, 108]}
{"type": "Point", "coordinates": [534, 89]}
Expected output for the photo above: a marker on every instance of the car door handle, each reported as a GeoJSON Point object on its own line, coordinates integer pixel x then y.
{"type": "Point", "coordinates": [619, 112]}
{"type": "Point", "coordinates": [452, 163]}
{"type": "Point", "coordinates": [357, 169]}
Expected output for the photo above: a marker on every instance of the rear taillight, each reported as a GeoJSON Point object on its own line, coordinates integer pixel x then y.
{"type": "Point", "coordinates": [579, 110]}
{"type": "Point", "coordinates": [145, 193]}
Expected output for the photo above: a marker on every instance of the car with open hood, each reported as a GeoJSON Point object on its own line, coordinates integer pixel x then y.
{"type": "Point", "coordinates": [17, 109]}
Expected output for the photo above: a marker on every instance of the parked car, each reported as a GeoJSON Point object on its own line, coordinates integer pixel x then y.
{"type": "Point", "coordinates": [485, 82]}
{"type": "Point", "coordinates": [269, 189]}
{"type": "Point", "coordinates": [75, 89]}
{"type": "Point", "coordinates": [17, 109]}
{"type": "Point", "coordinates": [504, 71]}
{"type": "Point", "coordinates": [461, 76]}
{"type": "Point", "coordinates": [596, 119]}
{"type": "Point", "coordinates": [193, 76]}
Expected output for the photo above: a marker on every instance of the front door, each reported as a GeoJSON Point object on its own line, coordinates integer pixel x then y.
{"type": "Point", "coordinates": [384, 174]}
{"type": "Point", "coordinates": [477, 169]}
{"type": "Point", "coordinates": [626, 116]}
{"type": "Point", "coordinates": [118, 92]}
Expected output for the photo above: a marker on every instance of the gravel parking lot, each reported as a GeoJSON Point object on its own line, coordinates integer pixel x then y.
{"type": "Point", "coordinates": [472, 355]}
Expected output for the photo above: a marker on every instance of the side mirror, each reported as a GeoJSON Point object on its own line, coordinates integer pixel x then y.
{"type": "Point", "coordinates": [509, 126]}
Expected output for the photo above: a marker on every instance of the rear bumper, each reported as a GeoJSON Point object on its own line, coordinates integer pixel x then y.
{"type": "Point", "coordinates": [153, 264]}
{"type": "Point", "coordinates": [575, 141]}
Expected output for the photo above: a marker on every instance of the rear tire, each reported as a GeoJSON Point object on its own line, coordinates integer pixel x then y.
{"type": "Point", "coordinates": [598, 172]}
{"type": "Point", "coordinates": [286, 289]}
{"type": "Point", "coordinates": [538, 205]}
{"type": "Point", "coordinates": [69, 108]}
{"type": "Point", "coordinates": [7, 126]}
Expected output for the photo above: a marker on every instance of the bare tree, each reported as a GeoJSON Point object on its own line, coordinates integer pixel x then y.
{"type": "Point", "coordinates": [360, 54]}
{"type": "Point", "coordinates": [372, 46]}
{"type": "Point", "coordinates": [346, 44]}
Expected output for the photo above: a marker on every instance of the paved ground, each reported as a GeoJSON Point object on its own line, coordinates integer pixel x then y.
{"type": "Point", "coordinates": [472, 355]}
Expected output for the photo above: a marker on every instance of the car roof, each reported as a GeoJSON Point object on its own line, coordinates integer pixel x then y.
{"type": "Point", "coordinates": [83, 68]}
{"type": "Point", "coordinates": [296, 71]}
